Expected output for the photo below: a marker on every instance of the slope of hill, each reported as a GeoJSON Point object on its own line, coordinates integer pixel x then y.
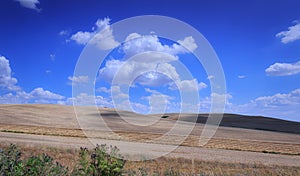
{"type": "Point", "coordinates": [237, 132]}
{"type": "Point", "coordinates": [243, 121]}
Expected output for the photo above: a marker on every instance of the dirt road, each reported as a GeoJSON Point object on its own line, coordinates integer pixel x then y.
{"type": "Point", "coordinates": [146, 150]}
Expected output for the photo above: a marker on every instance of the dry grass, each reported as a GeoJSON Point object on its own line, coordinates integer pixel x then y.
{"type": "Point", "coordinates": [41, 130]}
{"type": "Point", "coordinates": [165, 166]}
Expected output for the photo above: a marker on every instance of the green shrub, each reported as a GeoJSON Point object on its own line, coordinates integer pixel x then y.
{"type": "Point", "coordinates": [83, 165]}
{"type": "Point", "coordinates": [10, 162]}
{"type": "Point", "coordinates": [12, 165]}
{"type": "Point", "coordinates": [103, 160]}
{"type": "Point", "coordinates": [43, 165]}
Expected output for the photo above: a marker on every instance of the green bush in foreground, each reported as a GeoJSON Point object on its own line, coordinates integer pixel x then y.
{"type": "Point", "coordinates": [102, 160]}
{"type": "Point", "coordinates": [10, 162]}
{"type": "Point", "coordinates": [12, 165]}
{"type": "Point", "coordinates": [43, 165]}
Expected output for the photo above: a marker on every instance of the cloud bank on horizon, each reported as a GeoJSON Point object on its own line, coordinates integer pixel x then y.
{"type": "Point", "coordinates": [150, 52]}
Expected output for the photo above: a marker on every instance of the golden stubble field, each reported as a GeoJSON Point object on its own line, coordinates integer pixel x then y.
{"type": "Point", "coordinates": [57, 131]}
{"type": "Point", "coordinates": [57, 120]}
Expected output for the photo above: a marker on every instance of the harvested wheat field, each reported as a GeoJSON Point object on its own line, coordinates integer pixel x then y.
{"type": "Point", "coordinates": [239, 139]}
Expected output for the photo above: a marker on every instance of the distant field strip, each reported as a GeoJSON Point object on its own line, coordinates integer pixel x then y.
{"type": "Point", "coordinates": [275, 147]}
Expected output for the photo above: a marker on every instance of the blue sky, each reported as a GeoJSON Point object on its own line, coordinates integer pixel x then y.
{"type": "Point", "coordinates": [257, 43]}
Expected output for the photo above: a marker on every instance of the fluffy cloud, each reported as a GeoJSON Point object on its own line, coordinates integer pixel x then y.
{"type": "Point", "coordinates": [283, 69]}
{"type": "Point", "coordinates": [137, 43]}
{"type": "Point", "coordinates": [11, 98]}
{"type": "Point", "coordinates": [75, 80]}
{"type": "Point", "coordinates": [120, 100]}
{"type": "Point", "coordinates": [84, 99]}
{"type": "Point", "coordinates": [290, 35]}
{"type": "Point", "coordinates": [220, 100]}
{"type": "Point", "coordinates": [38, 95]}
{"type": "Point", "coordinates": [103, 89]}
{"type": "Point", "coordinates": [153, 57]}
{"type": "Point", "coordinates": [147, 61]}
{"type": "Point", "coordinates": [188, 85]}
{"type": "Point", "coordinates": [16, 95]}
{"type": "Point", "coordinates": [82, 37]}
{"type": "Point", "coordinates": [161, 102]}
{"type": "Point", "coordinates": [144, 73]}
{"type": "Point", "coordinates": [279, 99]}
{"type": "Point", "coordinates": [189, 43]}
{"type": "Point", "coordinates": [158, 102]}
{"type": "Point", "coordinates": [132, 36]}
{"type": "Point", "coordinates": [154, 78]}
{"type": "Point", "coordinates": [6, 80]}
{"type": "Point", "coordinates": [117, 93]}
{"type": "Point", "coordinates": [282, 105]}
{"type": "Point", "coordinates": [31, 4]}
{"type": "Point", "coordinates": [101, 35]}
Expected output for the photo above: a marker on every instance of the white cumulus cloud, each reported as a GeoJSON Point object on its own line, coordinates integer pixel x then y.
{"type": "Point", "coordinates": [283, 69]}
{"type": "Point", "coordinates": [290, 35]}
{"type": "Point", "coordinates": [101, 35]}
{"type": "Point", "coordinates": [6, 80]}
{"type": "Point", "coordinates": [158, 102]}
{"type": "Point", "coordinates": [132, 36]}
{"type": "Point", "coordinates": [75, 80]}
{"type": "Point", "coordinates": [282, 105]}
{"type": "Point", "coordinates": [137, 43]}
{"type": "Point", "coordinates": [291, 98]}
{"type": "Point", "coordinates": [117, 93]}
{"type": "Point", "coordinates": [103, 89]}
{"type": "Point", "coordinates": [147, 61]}
{"type": "Point", "coordinates": [188, 85]}
{"type": "Point", "coordinates": [40, 93]}
{"type": "Point", "coordinates": [137, 71]}
{"type": "Point", "coordinates": [82, 37]}
{"type": "Point", "coordinates": [84, 99]}
{"type": "Point", "coordinates": [189, 43]}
